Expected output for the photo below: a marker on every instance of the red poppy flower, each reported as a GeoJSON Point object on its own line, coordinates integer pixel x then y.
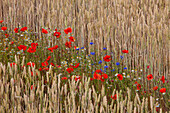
{"type": "Point", "coordinates": [44, 31]}
{"type": "Point", "coordinates": [150, 77]}
{"type": "Point", "coordinates": [31, 49]}
{"type": "Point", "coordinates": [16, 30]}
{"type": "Point", "coordinates": [23, 29]}
{"type": "Point", "coordinates": [48, 58]}
{"type": "Point", "coordinates": [6, 35]}
{"type": "Point", "coordinates": [44, 63]}
{"type": "Point", "coordinates": [163, 90]}
{"type": "Point", "coordinates": [120, 77]}
{"type": "Point", "coordinates": [97, 76]}
{"type": "Point", "coordinates": [1, 21]}
{"type": "Point", "coordinates": [55, 47]}
{"type": "Point", "coordinates": [138, 86]}
{"type": "Point", "coordinates": [12, 42]}
{"type": "Point", "coordinates": [107, 58]}
{"type": "Point", "coordinates": [57, 34]}
{"type": "Point", "coordinates": [64, 78]}
{"type": "Point", "coordinates": [68, 44]}
{"type": "Point", "coordinates": [40, 69]}
{"type": "Point", "coordinates": [52, 64]}
{"type": "Point", "coordinates": [68, 30]}
{"type": "Point", "coordinates": [76, 65]}
{"type": "Point", "coordinates": [148, 67]}
{"type": "Point", "coordinates": [11, 64]}
{"type": "Point", "coordinates": [77, 78]}
{"type": "Point", "coordinates": [34, 44]}
{"type": "Point", "coordinates": [155, 88]}
{"type": "Point", "coordinates": [22, 47]}
{"type": "Point", "coordinates": [163, 79]}
{"type": "Point", "coordinates": [125, 51]}
{"type": "Point", "coordinates": [114, 97]}
{"type": "Point", "coordinates": [91, 79]}
{"type": "Point", "coordinates": [136, 82]}
{"type": "Point", "coordinates": [56, 30]}
{"type": "Point", "coordinates": [32, 87]}
{"type": "Point", "coordinates": [69, 70]}
{"type": "Point", "coordinates": [72, 39]}
{"type": "Point", "coordinates": [50, 49]}
{"type": "Point", "coordinates": [4, 28]}
{"type": "Point", "coordinates": [29, 64]}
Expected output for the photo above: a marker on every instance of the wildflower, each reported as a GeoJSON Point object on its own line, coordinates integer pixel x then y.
{"type": "Point", "coordinates": [64, 78]}
{"type": "Point", "coordinates": [6, 35]}
{"type": "Point", "coordinates": [1, 21]}
{"type": "Point", "coordinates": [40, 69]}
{"type": "Point", "coordinates": [48, 58]}
{"type": "Point", "coordinates": [121, 57]}
{"type": "Point", "coordinates": [16, 30]}
{"type": "Point", "coordinates": [113, 70]}
{"type": "Point", "coordinates": [4, 28]}
{"type": "Point", "coordinates": [77, 48]}
{"type": "Point", "coordinates": [23, 29]}
{"type": "Point", "coordinates": [77, 78]}
{"type": "Point", "coordinates": [117, 63]}
{"type": "Point", "coordinates": [11, 64]}
{"type": "Point", "coordinates": [68, 44]}
{"type": "Point", "coordinates": [69, 70]}
{"type": "Point", "coordinates": [138, 86]}
{"type": "Point", "coordinates": [44, 63]}
{"type": "Point", "coordinates": [76, 65]}
{"type": "Point", "coordinates": [31, 49]}
{"type": "Point", "coordinates": [100, 61]}
{"type": "Point", "coordinates": [125, 51]}
{"type": "Point", "coordinates": [162, 90]}
{"type": "Point", "coordinates": [22, 47]}
{"type": "Point", "coordinates": [150, 77]}
{"type": "Point", "coordinates": [101, 77]}
{"type": "Point", "coordinates": [114, 97]}
{"type": "Point", "coordinates": [57, 34]}
{"type": "Point", "coordinates": [12, 42]}
{"type": "Point", "coordinates": [106, 66]}
{"type": "Point", "coordinates": [155, 88]}
{"type": "Point", "coordinates": [148, 67]}
{"type": "Point", "coordinates": [120, 77]}
{"type": "Point", "coordinates": [91, 79]}
{"type": "Point", "coordinates": [125, 68]}
{"type": "Point", "coordinates": [72, 39]}
{"type": "Point", "coordinates": [82, 47]}
{"type": "Point", "coordinates": [50, 49]}
{"type": "Point", "coordinates": [52, 64]}
{"type": "Point", "coordinates": [104, 48]}
{"type": "Point", "coordinates": [55, 47]}
{"type": "Point", "coordinates": [91, 43]}
{"type": "Point", "coordinates": [68, 30]}
{"type": "Point", "coordinates": [32, 87]}
{"type": "Point", "coordinates": [163, 79]}
{"type": "Point", "coordinates": [44, 31]}
{"type": "Point", "coordinates": [92, 53]}
{"type": "Point", "coordinates": [107, 58]}
{"type": "Point", "coordinates": [31, 64]}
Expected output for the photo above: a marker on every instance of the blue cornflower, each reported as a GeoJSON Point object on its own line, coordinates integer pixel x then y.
{"type": "Point", "coordinates": [117, 63]}
{"type": "Point", "coordinates": [88, 55]}
{"type": "Point", "coordinates": [121, 57]}
{"type": "Point", "coordinates": [113, 70]}
{"type": "Point", "coordinates": [77, 48]}
{"type": "Point", "coordinates": [100, 62]}
{"type": "Point", "coordinates": [104, 48]}
{"type": "Point", "coordinates": [106, 66]}
{"type": "Point", "coordinates": [92, 64]}
{"type": "Point", "coordinates": [125, 68]}
{"type": "Point", "coordinates": [92, 53]}
{"type": "Point", "coordinates": [91, 43]}
{"type": "Point", "coordinates": [82, 47]}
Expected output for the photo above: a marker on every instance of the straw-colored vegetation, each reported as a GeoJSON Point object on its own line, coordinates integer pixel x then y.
{"type": "Point", "coordinates": [139, 26]}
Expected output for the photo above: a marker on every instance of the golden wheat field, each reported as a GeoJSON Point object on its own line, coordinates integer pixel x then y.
{"type": "Point", "coordinates": [84, 56]}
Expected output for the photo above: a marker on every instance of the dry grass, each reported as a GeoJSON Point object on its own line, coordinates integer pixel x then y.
{"type": "Point", "coordinates": [73, 97]}
{"type": "Point", "coordinates": [141, 26]}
